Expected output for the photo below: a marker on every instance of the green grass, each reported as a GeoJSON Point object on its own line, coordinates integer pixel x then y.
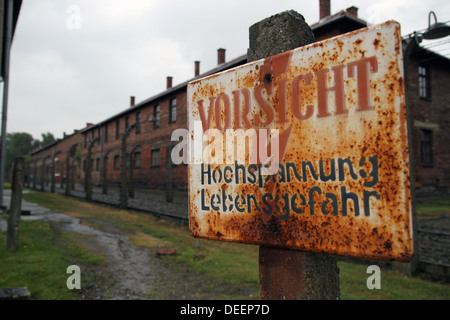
{"type": "Point", "coordinates": [394, 285]}
{"type": "Point", "coordinates": [234, 264]}
{"type": "Point", "coordinates": [41, 261]}
{"type": "Point", "coordinates": [433, 207]}
{"type": "Point", "coordinates": [231, 263]}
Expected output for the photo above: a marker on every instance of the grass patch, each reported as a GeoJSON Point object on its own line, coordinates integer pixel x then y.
{"type": "Point", "coordinates": [41, 261]}
{"type": "Point", "coordinates": [394, 285]}
{"type": "Point", "coordinates": [231, 263]}
{"type": "Point", "coordinates": [73, 248]}
{"type": "Point", "coordinates": [433, 207]}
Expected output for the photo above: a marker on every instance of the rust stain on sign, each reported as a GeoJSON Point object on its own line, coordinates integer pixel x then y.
{"type": "Point", "coordinates": [333, 113]}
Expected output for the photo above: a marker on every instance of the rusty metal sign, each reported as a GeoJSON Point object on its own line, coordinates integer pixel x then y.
{"type": "Point", "coordinates": [306, 150]}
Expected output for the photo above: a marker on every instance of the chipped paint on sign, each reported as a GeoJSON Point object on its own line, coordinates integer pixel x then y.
{"type": "Point", "coordinates": [337, 111]}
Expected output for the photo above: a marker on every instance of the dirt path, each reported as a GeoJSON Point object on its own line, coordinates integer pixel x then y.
{"type": "Point", "coordinates": [131, 272]}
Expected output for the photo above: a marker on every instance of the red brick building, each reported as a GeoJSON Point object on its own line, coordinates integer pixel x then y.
{"type": "Point", "coordinates": [146, 127]}
{"type": "Point", "coordinates": [429, 104]}
{"type": "Point", "coordinates": [55, 163]}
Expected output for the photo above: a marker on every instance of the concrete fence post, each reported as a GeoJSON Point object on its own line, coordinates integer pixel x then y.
{"type": "Point", "coordinates": [169, 164]}
{"type": "Point", "coordinates": [15, 207]}
{"type": "Point", "coordinates": [288, 274]}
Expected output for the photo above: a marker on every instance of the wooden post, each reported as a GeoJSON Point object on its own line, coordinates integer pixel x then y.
{"type": "Point", "coordinates": [288, 274]}
{"type": "Point", "coordinates": [15, 207]}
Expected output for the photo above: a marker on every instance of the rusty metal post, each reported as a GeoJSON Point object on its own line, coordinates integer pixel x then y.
{"type": "Point", "coordinates": [288, 274]}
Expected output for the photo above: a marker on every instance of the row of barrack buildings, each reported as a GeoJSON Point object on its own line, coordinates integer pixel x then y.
{"type": "Point", "coordinates": [141, 133]}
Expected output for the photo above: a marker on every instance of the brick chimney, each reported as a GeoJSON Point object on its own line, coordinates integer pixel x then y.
{"type": "Point", "coordinates": [197, 68]}
{"type": "Point", "coordinates": [220, 56]}
{"type": "Point", "coordinates": [353, 12]}
{"type": "Point", "coordinates": [325, 8]}
{"type": "Point", "coordinates": [132, 99]}
{"type": "Point", "coordinates": [169, 82]}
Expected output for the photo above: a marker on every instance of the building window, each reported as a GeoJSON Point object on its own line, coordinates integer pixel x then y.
{"type": "Point", "coordinates": [106, 133]}
{"type": "Point", "coordinates": [156, 116]}
{"type": "Point", "coordinates": [127, 123]}
{"type": "Point", "coordinates": [426, 147]}
{"type": "Point", "coordinates": [424, 82]}
{"type": "Point", "coordinates": [137, 160]}
{"type": "Point", "coordinates": [97, 164]}
{"type": "Point", "coordinates": [173, 110]}
{"type": "Point", "coordinates": [116, 162]}
{"type": "Point", "coordinates": [155, 157]}
{"type": "Point", "coordinates": [138, 122]}
{"type": "Point", "coordinates": [117, 129]}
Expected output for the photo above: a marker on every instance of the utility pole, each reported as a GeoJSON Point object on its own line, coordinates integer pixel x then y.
{"type": "Point", "coordinates": [7, 48]}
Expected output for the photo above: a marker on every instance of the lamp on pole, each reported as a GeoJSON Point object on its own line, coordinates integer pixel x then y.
{"type": "Point", "coordinates": [437, 30]}
{"type": "Point", "coordinates": [434, 31]}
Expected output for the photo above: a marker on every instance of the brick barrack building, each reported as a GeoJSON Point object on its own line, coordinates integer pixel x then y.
{"type": "Point", "coordinates": [141, 133]}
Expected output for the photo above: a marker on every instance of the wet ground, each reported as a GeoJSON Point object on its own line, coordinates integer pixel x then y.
{"type": "Point", "coordinates": [131, 272]}
{"type": "Point", "coordinates": [128, 271]}
{"type": "Point", "coordinates": [434, 233]}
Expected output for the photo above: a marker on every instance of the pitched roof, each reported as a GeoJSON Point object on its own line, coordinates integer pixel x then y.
{"type": "Point", "coordinates": [338, 17]}
{"type": "Point", "coordinates": [224, 66]}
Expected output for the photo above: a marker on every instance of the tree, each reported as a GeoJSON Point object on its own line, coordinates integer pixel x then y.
{"type": "Point", "coordinates": [17, 144]}
{"type": "Point", "coordinates": [47, 138]}
{"type": "Point", "coordinates": [20, 144]}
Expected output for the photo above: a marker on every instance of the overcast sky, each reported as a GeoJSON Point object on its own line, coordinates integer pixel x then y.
{"type": "Point", "coordinates": [75, 62]}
